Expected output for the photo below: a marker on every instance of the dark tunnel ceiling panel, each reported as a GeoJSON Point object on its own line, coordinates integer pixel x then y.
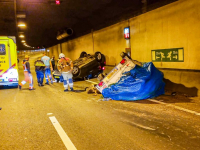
{"type": "Point", "coordinates": [44, 20]}
{"type": "Point", "coordinates": [7, 18]}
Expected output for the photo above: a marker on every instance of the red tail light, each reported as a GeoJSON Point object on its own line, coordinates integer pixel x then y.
{"type": "Point", "coordinates": [101, 83]}
{"type": "Point", "coordinates": [123, 61]}
{"type": "Point", "coordinates": [103, 68]}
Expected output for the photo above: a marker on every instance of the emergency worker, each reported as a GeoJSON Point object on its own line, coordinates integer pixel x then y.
{"type": "Point", "coordinates": [65, 66]}
{"type": "Point", "coordinates": [48, 66]}
{"type": "Point", "coordinates": [53, 62]}
{"type": "Point", "coordinates": [40, 70]}
{"type": "Point", "coordinates": [27, 74]}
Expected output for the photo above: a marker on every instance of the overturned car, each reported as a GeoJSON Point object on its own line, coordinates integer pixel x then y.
{"type": "Point", "coordinates": [88, 66]}
{"type": "Point", "coordinates": [85, 67]}
{"type": "Point", "coordinates": [132, 80]}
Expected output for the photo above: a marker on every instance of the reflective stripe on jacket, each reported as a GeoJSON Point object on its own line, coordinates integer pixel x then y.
{"type": "Point", "coordinates": [65, 65]}
{"type": "Point", "coordinates": [26, 65]}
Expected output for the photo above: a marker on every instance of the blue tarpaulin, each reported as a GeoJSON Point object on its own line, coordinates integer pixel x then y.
{"type": "Point", "coordinates": [137, 84]}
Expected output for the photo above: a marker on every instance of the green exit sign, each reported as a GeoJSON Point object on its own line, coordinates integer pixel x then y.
{"type": "Point", "coordinates": [168, 55]}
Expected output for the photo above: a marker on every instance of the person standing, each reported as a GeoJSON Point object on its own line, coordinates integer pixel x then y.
{"type": "Point", "coordinates": [53, 62]}
{"type": "Point", "coordinates": [48, 66]}
{"type": "Point", "coordinates": [65, 66]}
{"type": "Point", "coordinates": [27, 74]}
{"type": "Point", "coordinates": [40, 70]}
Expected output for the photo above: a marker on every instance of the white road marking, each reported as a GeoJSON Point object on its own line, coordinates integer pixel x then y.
{"type": "Point", "coordinates": [49, 113]}
{"type": "Point", "coordinates": [91, 81]}
{"type": "Point", "coordinates": [16, 96]}
{"type": "Point", "coordinates": [177, 107]}
{"type": "Point", "coordinates": [66, 140]}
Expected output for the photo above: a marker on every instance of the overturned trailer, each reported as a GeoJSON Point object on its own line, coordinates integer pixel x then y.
{"type": "Point", "coordinates": [130, 80]}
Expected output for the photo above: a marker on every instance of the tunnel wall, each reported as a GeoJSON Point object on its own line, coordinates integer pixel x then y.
{"type": "Point", "coordinates": [172, 26]}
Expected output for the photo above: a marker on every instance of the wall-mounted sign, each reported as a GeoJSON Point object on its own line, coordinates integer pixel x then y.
{"type": "Point", "coordinates": [127, 33]}
{"type": "Point", "coordinates": [168, 55]}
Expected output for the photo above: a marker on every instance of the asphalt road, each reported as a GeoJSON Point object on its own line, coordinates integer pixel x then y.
{"type": "Point", "coordinates": [49, 119]}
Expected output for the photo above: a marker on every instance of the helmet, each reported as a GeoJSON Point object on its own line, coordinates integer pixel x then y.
{"type": "Point", "coordinates": [61, 55]}
{"type": "Point", "coordinates": [26, 56]}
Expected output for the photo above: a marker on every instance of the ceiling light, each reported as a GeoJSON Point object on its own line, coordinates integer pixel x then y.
{"type": "Point", "coordinates": [21, 15]}
{"type": "Point", "coordinates": [21, 25]}
{"type": "Point", "coordinates": [23, 41]}
{"type": "Point", "coordinates": [21, 36]}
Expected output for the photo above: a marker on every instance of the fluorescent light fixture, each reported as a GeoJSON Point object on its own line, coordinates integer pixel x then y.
{"type": "Point", "coordinates": [21, 36]}
{"type": "Point", "coordinates": [21, 25]}
{"type": "Point", "coordinates": [21, 15]}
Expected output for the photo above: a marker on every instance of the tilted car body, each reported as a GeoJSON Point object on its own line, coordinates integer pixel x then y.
{"type": "Point", "coordinates": [86, 66]}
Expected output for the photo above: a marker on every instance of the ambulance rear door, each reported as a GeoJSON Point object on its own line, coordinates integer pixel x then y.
{"type": "Point", "coordinates": [8, 62]}
{"type": "Point", "coordinates": [5, 62]}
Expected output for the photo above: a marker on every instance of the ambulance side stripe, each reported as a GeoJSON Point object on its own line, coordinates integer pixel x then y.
{"type": "Point", "coordinates": [8, 69]}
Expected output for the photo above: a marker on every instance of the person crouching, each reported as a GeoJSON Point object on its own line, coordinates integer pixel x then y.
{"type": "Point", "coordinates": [65, 66]}
{"type": "Point", "coordinates": [39, 69]}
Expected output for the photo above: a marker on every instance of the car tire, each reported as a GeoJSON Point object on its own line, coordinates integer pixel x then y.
{"type": "Point", "coordinates": [76, 71]}
{"type": "Point", "coordinates": [98, 56]}
{"type": "Point", "coordinates": [82, 54]}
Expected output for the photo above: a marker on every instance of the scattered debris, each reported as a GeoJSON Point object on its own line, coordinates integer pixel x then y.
{"type": "Point", "coordinates": [92, 89]}
{"type": "Point", "coordinates": [104, 99]}
{"type": "Point", "coordinates": [173, 93]}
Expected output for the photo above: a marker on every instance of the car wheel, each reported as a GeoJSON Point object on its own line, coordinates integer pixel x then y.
{"type": "Point", "coordinates": [76, 71]}
{"type": "Point", "coordinates": [82, 54]}
{"type": "Point", "coordinates": [98, 56]}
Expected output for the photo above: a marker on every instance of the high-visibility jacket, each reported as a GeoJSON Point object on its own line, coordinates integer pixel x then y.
{"type": "Point", "coordinates": [65, 65]}
{"type": "Point", "coordinates": [39, 66]}
{"type": "Point", "coordinates": [26, 65]}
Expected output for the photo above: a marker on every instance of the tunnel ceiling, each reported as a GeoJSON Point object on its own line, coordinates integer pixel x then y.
{"type": "Point", "coordinates": [43, 18]}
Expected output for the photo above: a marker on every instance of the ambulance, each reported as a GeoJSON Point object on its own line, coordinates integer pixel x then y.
{"type": "Point", "coordinates": [8, 62]}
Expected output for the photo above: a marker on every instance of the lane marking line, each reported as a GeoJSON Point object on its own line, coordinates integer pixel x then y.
{"type": "Point", "coordinates": [91, 81]}
{"type": "Point", "coordinates": [64, 137]}
{"type": "Point", "coordinates": [177, 107]}
{"type": "Point", "coordinates": [15, 98]}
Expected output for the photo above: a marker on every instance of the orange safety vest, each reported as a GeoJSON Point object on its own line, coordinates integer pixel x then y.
{"type": "Point", "coordinates": [24, 65]}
